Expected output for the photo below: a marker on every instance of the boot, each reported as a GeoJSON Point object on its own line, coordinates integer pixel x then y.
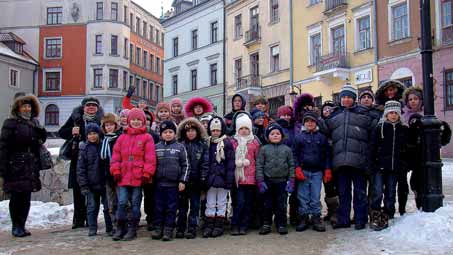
{"type": "Point", "coordinates": [265, 229]}
{"type": "Point", "coordinates": [131, 231]}
{"type": "Point", "coordinates": [384, 222]}
{"type": "Point", "coordinates": [375, 219]}
{"type": "Point", "coordinates": [234, 230]}
{"type": "Point", "coordinates": [318, 225]}
{"type": "Point", "coordinates": [242, 231]}
{"type": "Point", "coordinates": [179, 234]}
{"type": "Point", "coordinates": [191, 233]}
{"type": "Point", "coordinates": [168, 234]}
{"type": "Point", "coordinates": [17, 231]}
{"type": "Point", "coordinates": [120, 230]}
{"type": "Point", "coordinates": [22, 225]}
{"type": "Point", "coordinates": [150, 227]}
{"type": "Point", "coordinates": [208, 227]}
{"type": "Point", "coordinates": [218, 227]}
{"type": "Point", "coordinates": [332, 205]}
{"type": "Point", "coordinates": [92, 232]}
{"type": "Point", "coordinates": [303, 223]}
{"type": "Point", "coordinates": [282, 230]}
{"type": "Point", "coordinates": [157, 234]}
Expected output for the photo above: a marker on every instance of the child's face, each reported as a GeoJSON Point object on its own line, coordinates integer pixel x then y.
{"type": "Point", "coordinates": [176, 108]}
{"type": "Point", "coordinates": [216, 133]}
{"type": "Point", "coordinates": [168, 135]}
{"type": "Point", "coordinates": [390, 92]}
{"type": "Point", "coordinates": [259, 121]}
{"type": "Point", "coordinates": [326, 111]}
{"type": "Point", "coordinates": [205, 124]}
{"type": "Point", "coordinates": [198, 110]}
{"type": "Point", "coordinates": [310, 125]}
{"type": "Point", "coordinates": [109, 127]}
{"type": "Point", "coordinates": [414, 102]}
{"type": "Point", "coordinates": [261, 107]}
{"type": "Point", "coordinates": [347, 101]}
{"type": "Point", "coordinates": [142, 105]}
{"type": "Point", "coordinates": [136, 123]}
{"type": "Point", "coordinates": [191, 134]}
{"type": "Point", "coordinates": [163, 114]}
{"type": "Point", "coordinates": [243, 131]}
{"type": "Point", "coordinates": [286, 117]}
{"type": "Point", "coordinates": [123, 120]}
{"type": "Point", "coordinates": [93, 137]}
{"type": "Point", "coordinates": [237, 103]}
{"type": "Point", "coordinates": [275, 136]}
{"type": "Point", "coordinates": [366, 100]}
{"type": "Point", "coordinates": [393, 117]}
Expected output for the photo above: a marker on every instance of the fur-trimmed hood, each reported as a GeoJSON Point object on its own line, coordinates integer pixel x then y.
{"type": "Point", "coordinates": [380, 95]}
{"type": "Point", "coordinates": [412, 90]}
{"type": "Point", "coordinates": [188, 107]}
{"type": "Point", "coordinates": [77, 113]}
{"type": "Point", "coordinates": [194, 123]}
{"type": "Point", "coordinates": [301, 101]}
{"type": "Point", "coordinates": [33, 100]}
{"type": "Point", "coordinates": [244, 103]}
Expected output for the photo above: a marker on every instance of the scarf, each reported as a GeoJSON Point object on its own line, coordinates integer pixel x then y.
{"type": "Point", "coordinates": [241, 155]}
{"type": "Point", "coordinates": [106, 152]}
{"type": "Point", "coordinates": [220, 152]}
{"type": "Point", "coordinates": [89, 117]}
{"type": "Point", "coordinates": [25, 115]}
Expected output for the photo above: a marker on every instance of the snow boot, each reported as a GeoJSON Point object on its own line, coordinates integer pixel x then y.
{"type": "Point", "coordinates": [157, 234]}
{"type": "Point", "coordinates": [131, 231]}
{"type": "Point", "coordinates": [234, 230]}
{"type": "Point", "coordinates": [318, 225]}
{"type": "Point", "coordinates": [179, 234]}
{"type": "Point", "coordinates": [168, 234]}
{"type": "Point", "coordinates": [17, 230]}
{"type": "Point", "coordinates": [120, 230]}
{"type": "Point", "coordinates": [150, 227]}
{"type": "Point", "coordinates": [265, 229]}
{"type": "Point", "coordinates": [359, 226]}
{"type": "Point", "coordinates": [191, 233]}
{"type": "Point", "coordinates": [282, 230]}
{"type": "Point", "coordinates": [332, 206]}
{"type": "Point", "coordinates": [381, 222]}
{"type": "Point", "coordinates": [375, 219]}
{"type": "Point", "coordinates": [208, 227]}
{"type": "Point", "coordinates": [242, 231]}
{"type": "Point", "coordinates": [92, 232]}
{"type": "Point", "coordinates": [219, 227]}
{"type": "Point", "coordinates": [303, 223]}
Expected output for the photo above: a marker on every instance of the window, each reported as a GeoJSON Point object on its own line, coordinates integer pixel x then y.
{"type": "Point", "coordinates": [175, 47]}
{"type": "Point", "coordinates": [238, 26]}
{"type": "Point", "coordinates": [145, 29]}
{"type": "Point", "coordinates": [318, 102]}
{"type": "Point", "coordinates": [99, 10]}
{"type": "Point", "coordinates": [13, 77]}
{"type": "Point", "coordinates": [175, 84]}
{"type": "Point", "coordinates": [124, 80]}
{"type": "Point", "coordinates": [238, 70]}
{"type": "Point", "coordinates": [145, 59]}
{"type": "Point", "coordinates": [364, 33]}
{"type": "Point", "coordinates": [114, 11]}
{"type": "Point", "coordinates": [137, 25]}
{"type": "Point", "coordinates": [158, 65]}
{"type": "Point", "coordinates": [151, 91]}
{"type": "Point", "coordinates": [137, 87]}
{"type": "Point", "coordinates": [275, 59]}
{"type": "Point", "coordinates": [138, 55]}
{"type": "Point", "coordinates": [313, 2]}
{"type": "Point", "coordinates": [255, 65]}
{"type": "Point", "coordinates": [113, 78]}
{"type": "Point", "coordinates": [315, 47]}
{"type": "Point", "coordinates": [338, 43]}
{"type": "Point", "coordinates": [131, 53]}
{"type": "Point", "coordinates": [194, 39]}
{"type": "Point", "coordinates": [157, 37]}
{"type": "Point", "coordinates": [114, 45]}
{"type": "Point", "coordinates": [131, 80]}
{"type": "Point", "coordinates": [54, 15]}
{"type": "Point", "coordinates": [53, 48]}
{"type": "Point", "coordinates": [52, 81]}
{"type": "Point", "coordinates": [151, 62]}
{"type": "Point", "coordinates": [407, 81]}
{"type": "Point", "coordinates": [131, 21]}
{"type": "Point", "coordinates": [193, 75]}
{"type": "Point", "coordinates": [447, 21]}
{"type": "Point", "coordinates": [97, 78]}
{"type": "Point", "coordinates": [214, 28]}
{"type": "Point", "coordinates": [98, 44]}
{"type": "Point", "coordinates": [274, 16]}
{"type": "Point", "coordinates": [52, 115]}
{"type": "Point", "coordinates": [125, 15]}
{"type": "Point", "coordinates": [213, 72]}
{"type": "Point", "coordinates": [145, 89]}
{"type": "Point", "coordinates": [151, 33]}
{"type": "Point", "coordinates": [126, 43]}
{"type": "Point", "coordinates": [449, 89]}
{"type": "Point", "coordinates": [400, 22]}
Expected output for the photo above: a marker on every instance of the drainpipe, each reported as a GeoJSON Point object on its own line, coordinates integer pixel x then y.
{"type": "Point", "coordinates": [224, 59]}
{"type": "Point", "coordinates": [375, 36]}
{"type": "Point", "coordinates": [291, 46]}
{"type": "Point", "coordinates": [34, 79]}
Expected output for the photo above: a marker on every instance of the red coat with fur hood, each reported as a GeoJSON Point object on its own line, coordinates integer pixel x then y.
{"type": "Point", "coordinates": [188, 107]}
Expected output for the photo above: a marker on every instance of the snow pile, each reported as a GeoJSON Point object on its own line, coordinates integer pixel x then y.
{"type": "Point", "coordinates": [41, 216]}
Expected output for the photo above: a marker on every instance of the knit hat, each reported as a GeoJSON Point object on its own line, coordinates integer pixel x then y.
{"type": "Point", "coordinates": [110, 118]}
{"type": "Point", "coordinates": [163, 105]}
{"type": "Point", "coordinates": [167, 124]}
{"type": "Point", "coordinates": [366, 92]}
{"type": "Point", "coordinates": [392, 106]}
{"type": "Point", "coordinates": [310, 115]}
{"type": "Point", "coordinates": [284, 110]}
{"type": "Point", "coordinates": [348, 90]}
{"type": "Point", "coordinates": [216, 123]}
{"type": "Point", "coordinates": [243, 120]}
{"type": "Point", "coordinates": [90, 100]}
{"type": "Point", "coordinates": [92, 127]}
{"type": "Point", "coordinates": [257, 113]}
{"type": "Point", "coordinates": [206, 117]}
{"type": "Point", "coordinates": [124, 113]}
{"type": "Point", "coordinates": [136, 113]}
{"type": "Point", "coordinates": [271, 127]}
{"type": "Point", "coordinates": [176, 101]}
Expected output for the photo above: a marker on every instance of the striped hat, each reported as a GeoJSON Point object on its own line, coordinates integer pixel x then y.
{"type": "Point", "coordinates": [348, 90]}
{"type": "Point", "coordinates": [392, 106]}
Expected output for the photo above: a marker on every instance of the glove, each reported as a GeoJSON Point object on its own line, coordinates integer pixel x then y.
{"type": "Point", "coordinates": [300, 174]}
{"type": "Point", "coordinates": [246, 162]}
{"type": "Point", "coordinates": [84, 191]}
{"type": "Point", "coordinates": [130, 91]}
{"type": "Point", "coordinates": [290, 185]}
{"type": "Point", "coordinates": [146, 179]}
{"type": "Point", "coordinates": [327, 175]}
{"type": "Point", "coordinates": [239, 163]}
{"type": "Point", "coordinates": [262, 187]}
{"type": "Point", "coordinates": [117, 178]}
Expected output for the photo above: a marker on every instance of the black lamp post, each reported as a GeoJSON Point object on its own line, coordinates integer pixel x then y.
{"type": "Point", "coordinates": [432, 171]}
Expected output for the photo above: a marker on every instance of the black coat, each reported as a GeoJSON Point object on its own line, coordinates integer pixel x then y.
{"type": "Point", "coordinates": [389, 145]}
{"type": "Point", "coordinates": [90, 172]}
{"type": "Point", "coordinates": [221, 175]}
{"type": "Point", "coordinates": [198, 155]}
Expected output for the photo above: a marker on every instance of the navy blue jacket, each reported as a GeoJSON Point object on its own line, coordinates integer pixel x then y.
{"type": "Point", "coordinates": [288, 132]}
{"type": "Point", "coordinates": [172, 164]}
{"type": "Point", "coordinates": [312, 151]}
{"type": "Point", "coordinates": [197, 152]}
{"type": "Point", "coordinates": [90, 171]}
{"type": "Point", "coordinates": [221, 175]}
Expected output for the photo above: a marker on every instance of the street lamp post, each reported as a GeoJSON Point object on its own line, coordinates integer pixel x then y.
{"type": "Point", "coordinates": [432, 170]}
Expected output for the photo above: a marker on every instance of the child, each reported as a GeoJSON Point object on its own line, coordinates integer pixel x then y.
{"type": "Point", "coordinates": [192, 135]}
{"type": "Point", "coordinates": [326, 109]}
{"type": "Point", "coordinates": [246, 146]}
{"type": "Point", "coordinates": [172, 174]}
{"type": "Point", "coordinates": [366, 99]}
{"type": "Point", "coordinates": [112, 131]}
{"type": "Point", "coordinates": [163, 114]}
{"type": "Point", "coordinates": [205, 118]}
{"type": "Point", "coordinates": [261, 103]}
{"type": "Point", "coordinates": [123, 118]}
{"type": "Point", "coordinates": [133, 164]}
{"type": "Point", "coordinates": [238, 103]}
{"type": "Point", "coordinates": [389, 145]}
{"type": "Point", "coordinates": [304, 102]}
{"type": "Point", "coordinates": [258, 125]}
{"type": "Point", "coordinates": [176, 110]}
{"type": "Point", "coordinates": [413, 103]}
{"type": "Point", "coordinates": [275, 178]}
{"type": "Point", "coordinates": [197, 106]}
{"type": "Point", "coordinates": [91, 178]}
{"type": "Point", "coordinates": [312, 159]}
{"type": "Point", "coordinates": [389, 90]}
{"type": "Point", "coordinates": [220, 177]}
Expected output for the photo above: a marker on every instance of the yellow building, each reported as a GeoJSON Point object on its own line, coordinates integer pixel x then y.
{"type": "Point", "coordinates": [258, 50]}
{"type": "Point", "coordinates": [334, 43]}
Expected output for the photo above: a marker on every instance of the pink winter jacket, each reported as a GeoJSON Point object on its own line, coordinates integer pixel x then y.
{"type": "Point", "coordinates": [253, 148]}
{"type": "Point", "coordinates": [134, 156]}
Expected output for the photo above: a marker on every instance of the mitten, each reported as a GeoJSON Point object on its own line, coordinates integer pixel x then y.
{"type": "Point", "coordinates": [262, 186]}
{"type": "Point", "coordinates": [246, 162]}
{"type": "Point", "coordinates": [327, 175]}
{"type": "Point", "coordinates": [130, 91]}
{"type": "Point", "coordinates": [299, 174]}
{"type": "Point", "coordinates": [290, 185]}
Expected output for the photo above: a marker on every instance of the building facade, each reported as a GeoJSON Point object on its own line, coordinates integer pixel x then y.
{"type": "Point", "coordinates": [96, 48]}
{"type": "Point", "coordinates": [194, 52]}
{"type": "Point", "coordinates": [334, 43]}
{"type": "Point", "coordinates": [258, 50]}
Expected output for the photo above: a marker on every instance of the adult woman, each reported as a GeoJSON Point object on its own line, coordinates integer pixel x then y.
{"type": "Point", "coordinates": [20, 141]}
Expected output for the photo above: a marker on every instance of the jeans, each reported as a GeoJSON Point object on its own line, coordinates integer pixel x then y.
{"type": "Point", "coordinates": [275, 201]}
{"type": "Point", "coordinates": [191, 194]}
{"type": "Point", "coordinates": [166, 205]}
{"type": "Point", "coordinates": [216, 202]}
{"type": "Point", "coordinates": [243, 206]}
{"type": "Point", "coordinates": [384, 183]}
{"type": "Point", "coordinates": [134, 196]}
{"type": "Point", "coordinates": [309, 193]}
{"type": "Point", "coordinates": [346, 178]}
{"type": "Point", "coordinates": [19, 207]}
{"type": "Point", "coordinates": [94, 200]}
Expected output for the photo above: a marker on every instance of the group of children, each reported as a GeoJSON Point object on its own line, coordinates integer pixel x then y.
{"type": "Point", "coordinates": [196, 162]}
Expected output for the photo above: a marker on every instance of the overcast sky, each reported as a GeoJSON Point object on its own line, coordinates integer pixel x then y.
{"type": "Point", "coordinates": [153, 6]}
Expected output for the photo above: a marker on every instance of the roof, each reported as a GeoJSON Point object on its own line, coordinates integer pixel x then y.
{"type": "Point", "coordinates": [4, 50]}
{"type": "Point", "coordinates": [7, 37]}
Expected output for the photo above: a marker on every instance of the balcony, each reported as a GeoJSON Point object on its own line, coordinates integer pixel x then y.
{"type": "Point", "coordinates": [252, 36]}
{"type": "Point", "coordinates": [334, 64]}
{"type": "Point", "coordinates": [250, 83]}
{"type": "Point", "coordinates": [447, 35]}
{"type": "Point", "coordinates": [334, 5]}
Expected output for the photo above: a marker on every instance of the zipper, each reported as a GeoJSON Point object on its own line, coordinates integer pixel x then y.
{"type": "Point", "coordinates": [393, 147]}
{"type": "Point", "coordinates": [345, 143]}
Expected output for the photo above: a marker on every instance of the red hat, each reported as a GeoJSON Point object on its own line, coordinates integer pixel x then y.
{"type": "Point", "coordinates": [136, 113]}
{"type": "Point", "coordinates": [176, 101]}
{"type": "Point", "coordinates": [163, 105]}
{"type": "Point", "coordinates": [284, 110]}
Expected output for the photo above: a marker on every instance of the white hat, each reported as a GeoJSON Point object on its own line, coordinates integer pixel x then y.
{"type": "Point", "coordinates": [243, 120]}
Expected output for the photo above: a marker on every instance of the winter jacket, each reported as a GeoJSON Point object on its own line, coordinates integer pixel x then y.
{"type": "Point", "coordinates": [253, 148]}
{"type": "Point", "coordinates": [20, 141]}
{"type": "Point", "coordinates": [229, 116]}
{"type": "Point", "coordinates": [312, 151]}
{"type": "Point", "coordinates": [134, 156]}
{"type": "Point", "coordinates": [275, 163]}
{"type": "Point", "coordinates": [111, 139]}
{"type": "Point", "coordinates": [197, 152]}
{"type": "Point", "coordinates": [90, 171]}
{"type": "Point", "coordinates": [260, 133]}
{"type": "Point", "coordinates": [288, 132]}
{"type": "Point", "coordinates": [389, 146]}
{"type": "Point", "coordinates": [221, 175]}
{"type": "Point", "coordinates": [172, 164]}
